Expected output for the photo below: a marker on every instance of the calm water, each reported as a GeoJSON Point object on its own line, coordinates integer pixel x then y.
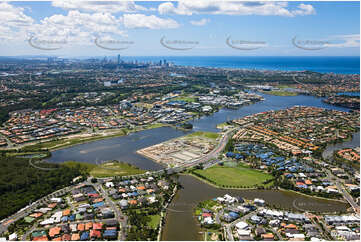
{"type": "Point", "coordinates": [353, 143]}
{"type": "Point", "coordinates": [335, 64]}
{"type": "Point", "coordinates": [124, 148]}
{"type": "Point", "coordinates": [120, 148]}
{"type": "Point", "coordinates": [180, 211]}
{"type": "Point", "coordinates": [209, 123]}
{"type": "Point", "coordinates": [179, 216]}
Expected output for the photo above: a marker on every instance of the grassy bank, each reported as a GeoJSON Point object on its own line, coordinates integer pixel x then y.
{"type": "Point", "coordinates": [108, 169]}
{"type": "Point", "coordinates": [239, 177]}
{"type": "Point", "coordinates": [67, 142]}
{"type": "Point", "coordinates": [281, 93]}
{"type": "Point", "coordinates": [208, 135]}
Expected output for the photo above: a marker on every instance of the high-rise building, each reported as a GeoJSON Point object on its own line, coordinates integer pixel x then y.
{"type": "Point", "coordinates": [118, 59]}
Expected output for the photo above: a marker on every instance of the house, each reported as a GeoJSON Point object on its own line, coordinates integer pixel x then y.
{"type": "Point", "coordinates": [73, 227]}
{"type": "Point", "coordinates": [81, 227]}
{"type": "Point", "coordinates": [13, 237]}
{"type": "Point", "coordinates": [88, 225]}
{"type": "Point", "coordinates": [75, 237]}
{"type": "Point", "coordinates": [267, 236]}
{"type": "Point", "coordinates": [241, 225]}
{"type": "Point", "coordinates": [97, 226]}
{"type": "Point", "coordinates": [110, 234]}
{"type": "Point", "coordinates": [66, 237]}
{"type": "Point", "coordinates": [109, 184]}
{"type": "Point", "coordinates": [95, 234]}
{"type": "Point", "coordinates": [84, 236]}
{"type": "Point", "coordinates": [41, 238]}
{"type": "Point", "coordinates": [123, 204]}
{"type": "Point", "coordinates": [259, 231]}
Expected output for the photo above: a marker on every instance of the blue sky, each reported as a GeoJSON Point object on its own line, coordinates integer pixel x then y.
{"type": "Point", "coordinates": [69, 28]}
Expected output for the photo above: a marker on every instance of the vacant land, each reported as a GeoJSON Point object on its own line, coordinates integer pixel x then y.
{"type": "Point", "coordinates": [154, 221]}
{"type": "Point", "coordinates": [238, 177]}
{"type": "Point", "coordinates": [188, 99]}
{"type": "Point", "coordinates": [281, 93]}
{"type": "Point", "coordinates": [208, 135]}
{"type": "Point", "coordinates": [114, 169]}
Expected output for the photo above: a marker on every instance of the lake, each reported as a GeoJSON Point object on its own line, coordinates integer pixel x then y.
{"type": "Point", "coordinates": [124, 148]}
{"type": "Point", "coordinates": [180, 211]}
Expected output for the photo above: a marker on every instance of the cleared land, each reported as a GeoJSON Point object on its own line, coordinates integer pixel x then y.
{"type": "Point", "coordinates": [106, 169]}
{"type": "Point", "coordinates": [208, 135]}
{"type": "Point", "coordinates": [115, 169]}
{"type": "Point", "coordinates": [281, 93]}
{"type": "Point", "coordinates": [239, 176]}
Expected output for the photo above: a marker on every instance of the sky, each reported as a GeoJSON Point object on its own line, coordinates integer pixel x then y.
{"type": "Point", "coordinates": [70, 28]}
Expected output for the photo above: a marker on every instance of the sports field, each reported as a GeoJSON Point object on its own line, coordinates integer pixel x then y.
{"type": "Point", "coordinates": [239, 176]}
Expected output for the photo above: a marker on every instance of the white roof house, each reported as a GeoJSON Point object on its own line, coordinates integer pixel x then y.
{"type": "Point", "coordinates": [241, 225]}
{"type": "Point", "coordinates": [13, 236]}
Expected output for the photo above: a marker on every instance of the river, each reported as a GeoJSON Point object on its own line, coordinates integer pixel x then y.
{"type": "Point", "coordinates": [124, 148]}
{"type": "Point", "coordinates": [353, 143]}
{"type": "Point", "coordinates": [182, 225]}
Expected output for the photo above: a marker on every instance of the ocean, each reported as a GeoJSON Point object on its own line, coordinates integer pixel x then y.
{"type": "Point", "coordinates": [323, 64]}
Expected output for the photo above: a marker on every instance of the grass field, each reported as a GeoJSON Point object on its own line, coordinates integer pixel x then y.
{"type": "Point", "coordinates": [208, 135]}
{"type": "Point", "coordinates": [106, 169]}
{"type": "Point", "coordinates": [114, 169]}
{"type": "Point", "coordinates": [185, 98]}
{"type": "Point", "coordinates": [281, 93]}
{"type": "Point", "coordinates": [234, 176]}
{"type": "Point", "coordinates": [154, 221]}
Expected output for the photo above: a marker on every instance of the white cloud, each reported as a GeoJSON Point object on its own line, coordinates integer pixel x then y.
{"type": "Point", "coordinates": [148, 21]}
{"type": "Point", "coordinates": [13, 21]}
{"type": "Point", "coordinates": [346, 41]}
{"type": "Point", "coordinates": [190, 7]}
{"type": "Point", "coordinates": [77, 27]}
{"type": "Point", "coordinates": [101, 6]}
{"type": "Point", "coordinates": [200, 22]}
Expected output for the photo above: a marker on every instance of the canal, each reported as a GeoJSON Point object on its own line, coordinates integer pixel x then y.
{"type": "Point", "coordinates": [124, 148]}
{"type": "Point", "coordinates": [180, 223]}
{"type": "Point", "coordinates": [353, 143]}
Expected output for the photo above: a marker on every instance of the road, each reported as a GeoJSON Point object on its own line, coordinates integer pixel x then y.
{"type": "Point", "coordinates": [228, 227]}
{"type": "Point", "coordinates": [5, 223]}
{"type": "Point", "coordinates": [345, 194]}
{"type": "Point", "coordinates": [211, 155]}
{"type": "Point", "coordinates": [118, 214]}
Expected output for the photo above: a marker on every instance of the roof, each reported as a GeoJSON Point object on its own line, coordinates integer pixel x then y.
{"type": "Point", "coordinates": [41, 238]}
{"type": "Point", "coordinates": [65, 237]}
{"type": "Point", "coordinates": [54, 231]}
{"type": "Point", "coordinates": [97, 226]}
{"type": "Point", "coordinates": [81, 227]}
{"type": "Point", "coordinates": [75, 237]}
{"type": "Point", "coordinates": [95, 233]}
{"type": "Point", "coordinates": [88, 225]}
{"type": "Point", "coordinates": [66, 212]}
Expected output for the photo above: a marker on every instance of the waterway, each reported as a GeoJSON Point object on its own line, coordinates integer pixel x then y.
{"type": "Point", "coordinates": [353, 143]}
{"type": "Point", "coordinates": [182, 225]}
{"type": "Point", "coordinates": [124, 148]}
